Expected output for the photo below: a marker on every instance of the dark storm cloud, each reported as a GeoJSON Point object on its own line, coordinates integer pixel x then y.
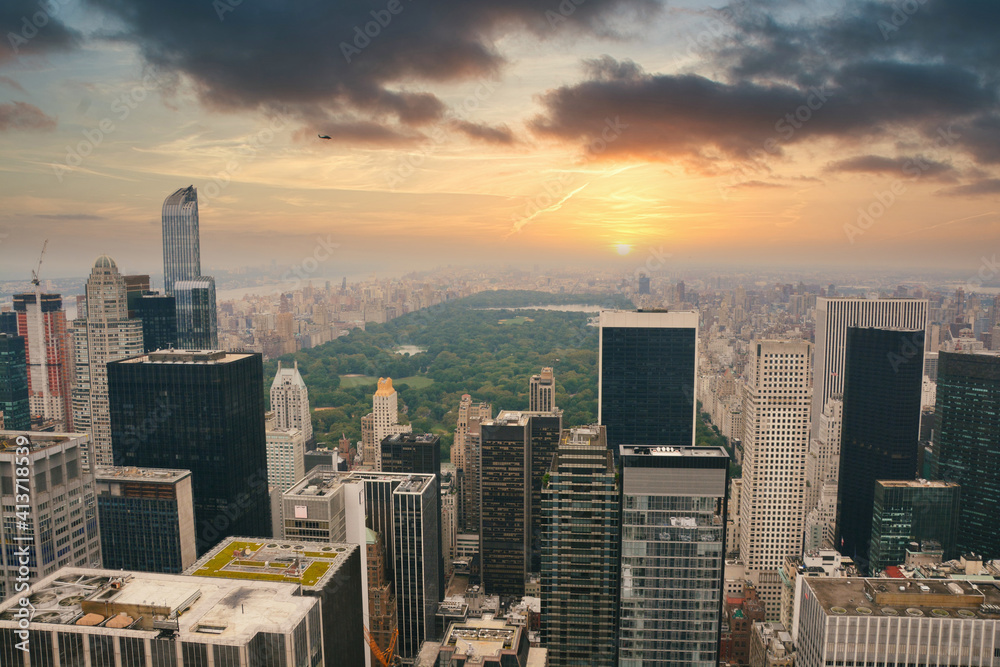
{"type": "Point", "coordinates": [492, 135]}
{"type": "Point", "coordinates": [24, 116]}
{"type": "Point", "coordinates": [987, 186]}
{"type": "Point", "coordinates": [351, 58]}
{"type": "Point", "coordinates": [895, 166]}
{"type": "Point", "coordinates": [866, 71]}
{"type": "Point", "coordinates": [30, 27]}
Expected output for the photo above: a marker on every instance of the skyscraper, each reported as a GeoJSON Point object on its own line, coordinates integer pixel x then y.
{"type": "Point", "coordinates": [833, 316]}
{"type": "Point", "coordinates": [147, 519]}
{"type": "Point", "coordinates": [41, 320]}
{"type": "Point", "coordinates": [646, 377]}
{"type": "Point", "coordinates": [883, 375]}
{"type": "Point", "coordinates": [181, 245]}
{"type": "Point", "coordinates": [201, 411]}
{"type": "Point", "coordinates": [967, 442]}
{"type": "Point", "coordinates": [776, 405]}
{"type": "Point", "coordinates": [544, 431]}
{"type": "Point", "coordinates": [108, 335]}
{"type": "Point", "coordinates": [386, 416]}
{"type": "Point", "coordinates": [579, 545]}
{"type": "Point", "coordinates": [61, 527]}
{"type": "Point", "coordinates": [290, 401]}
{"type": "Point", "coordinates": [467, 410]}
{"type": "Point", "coordinates": [912, 511]}
{"type": "Point", "coordinates": [542, 397]}
{"type": "Point", "coordinates": [673, 528]}
{"type": "Point", "coordinates": [197, 325]}
{"type": "Point", "coordinates": [14, 402]}
{"type": "Point", "coordinates": [158, 314]}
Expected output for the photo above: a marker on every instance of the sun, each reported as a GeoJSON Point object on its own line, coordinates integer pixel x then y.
{"type": "Point", "coordinates": [623, 249]}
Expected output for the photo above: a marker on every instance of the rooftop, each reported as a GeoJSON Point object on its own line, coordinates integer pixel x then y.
{"type": "Point", "coordinates": [941, 598]}
{"type": "Point", "coordinates": [310, 564]}
{"type": "Point", "coordinates": [186, 357]}
{"type": "Point", "coordinates": [915, 484]}
{"type": "Point", "coordinates": [694, 452]}
{"type": "Point", "coordinates": [129, 474]}
{"type": "Point", "coordinates": [37, 440]}
{"type": "Point", "coordinates": [146, 603]}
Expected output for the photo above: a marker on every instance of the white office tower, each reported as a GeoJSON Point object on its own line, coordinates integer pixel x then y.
{"type": "Point", "coordinates": [833, 316]}
{"type": "Point", "coordinates": [110, 335]}
{"type": "Point", "coordinates": [286, 449]}
{"type": "Point", "coordinates": [775, 442]}
{"type": "Point", "coordinates": [385, 413]}
{"type": "Point", "coordinates": [822, 475]}
{"type": "Point", "coordinates": [290, 401]}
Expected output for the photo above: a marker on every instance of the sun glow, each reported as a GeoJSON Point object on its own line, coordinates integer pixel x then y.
{"type": "Point", "coordinates": [623, 249]}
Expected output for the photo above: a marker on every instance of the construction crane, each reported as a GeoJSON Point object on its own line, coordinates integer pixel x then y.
{"type": "Point", "coordinates": [38, 269]}
{"type": "Point", "coordinates": [387, 657]}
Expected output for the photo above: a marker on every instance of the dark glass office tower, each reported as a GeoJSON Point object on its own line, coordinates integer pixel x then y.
{"type": "Point", "coordinates": [544, 430]}
{"type": "Point", "coordinates": [646, 388]}
{"type": "Point", "coordinates": [912, 511]}
{"type": "Point", "coordinates": [883, 373]}
{"type": "Point", "coordinates": [197, 324]}
{"type": "Point", "coordinates": [8, 322]}
{"type": "Point", "coordinates": [204, 412]}
{"type": "Point", "coordinates": [967, 443]}
{"type": "Point", "coordinates": [14, 384]}
{"type": "Point", "coordinates": [419, 453]}
{"type": "Point", "coordinates": [580, 552]}
{"type": "Point", "coordinates": [673, 532]}
{"type": "Point", "coordinates": [159, 320]}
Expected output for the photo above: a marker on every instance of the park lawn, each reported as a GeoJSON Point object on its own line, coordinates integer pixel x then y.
{"type": "Point", "coordinates": [520, 319]}
{"type": "Point", "coordinates": [414, 381]}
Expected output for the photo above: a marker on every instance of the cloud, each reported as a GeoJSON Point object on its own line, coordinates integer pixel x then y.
{"type": "Point", "coordinates": [352, 61]}
{"type": "Point", "coordinates": [29, 27]}
{"type": "Point", "coordinates": [758, 185]}
{"type": "Point", "coordinates": [988, 186]}
{"type": "Point", "coordinates": [24, 116]}
{"type": "Point", "coordinates": [12, 83]}
{"type": "Point", "coordinates": [493, 135]}
{"type": "Point", "coordinates": [907, 166]}
{"type": "Point", "coordinates": [70, 216]}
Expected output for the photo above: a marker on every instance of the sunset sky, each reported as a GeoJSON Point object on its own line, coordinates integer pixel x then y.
{"type": "Point", "coordinates": [474, 131]}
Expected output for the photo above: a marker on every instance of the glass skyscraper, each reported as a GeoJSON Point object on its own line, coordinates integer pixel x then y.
{"type": "Point", "coordinates": [883, 380]}
{"type": "Point", "coordinates": [912, 511]}
{"type": "Point", "coordinates": [158, 313]}
{"type": "Point", "coordinates": [197, 324]}
{"type": "Point", "coordinates": [14, 384]}
{"type": "Point", "coordinates": [967, 442]}
{"type": "Point", "coordinates": [181, 245]}
{"type": "Point", "coordinates": [673, 531]}
{"type": "Point", "coordinates": [647, 363]}
{"type": "Point", "coordinates": [203, 412]}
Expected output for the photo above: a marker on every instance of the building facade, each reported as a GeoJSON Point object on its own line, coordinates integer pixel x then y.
{"type": "Point", "coordinates": [158, 314]}
{"type": "Point", "coordinates": [197, 324]}
{"type": "Point", "coordinates": [146, 518]}
{"type": "Point", "coordinates": [14, 396]}
{"type": "Point", "coordinates": [385, 419]}
{"type": "Point", "coordinates": [290, 401]}
{"type": "Point", "coordinates": [204, 412]}
{"type": "Point", "coordinates": [181, 242]}
{"type": "Point", "coordinates": [41, 321]}
{"type": "Point", "coordinates": [907, 511]}
{"type": "Point", "coordinates": [883, 373]}
{"type": "Point", "coordinates": [673, 527]}
{"type": "Point", "coordinates": [646, 377]}
{"type": "Point", "coordinates": [542, 391]}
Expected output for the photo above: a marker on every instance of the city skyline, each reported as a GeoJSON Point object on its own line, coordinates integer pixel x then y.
{"type": "Point", "coordinates": [854, 134]}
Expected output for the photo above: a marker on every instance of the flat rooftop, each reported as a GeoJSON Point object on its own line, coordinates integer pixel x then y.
{"type": "Point", "coordinates": [693, 452]}
{"type": "Point", "coordinates": [310, 564]}
{"type": "Point", "coordinates": [37, 440]}
{"type": "Point", "coordinates": [915, 484]}
{"type": "Point", "coordinates": [143, 604]}
{"type": "Point", "coordinates": [941, 598]}
{"type": "Point", "coordinates": [148, 475]}
{"type": "Point", "coordinates": [482, 637]}
{"type": "Point", "coordinates": [186, 357]}
{"type": "Point", "coordinates": [649, 319]}
{"type": "Point", "coordinates": [319, 482]}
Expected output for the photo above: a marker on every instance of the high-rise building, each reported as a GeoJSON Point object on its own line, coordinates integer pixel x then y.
{"type": "Point", "coordinates": [61, 525]}
{"type": "Point", "coordinates": [880, 434]}
{"type": "Point", "coordinates": [833, 316]}
{"type": "Point", "coordinates": [542, 396]}
{"type": "Point", "coordinates": [181, 244]}
{"type": "Point", "coordinates": [921, 622]}
{"type": "Point", "coordinates": [544, 431]}
{"type": "Point", "coordinates": [369, 452]}
{"type": "Point", "coordinates": [776, 404]}
{"type": "Point", "coordinates": [201, 411]}
{"type": "Point", "coordinates": [646, 377]}
{"type": "Point", "coordinates": [386, 416]}
{"type": "Point", "coordinates": [108, 334]}
{"type": "Point", "coordinates": [135, 287]}
{"type": "Point", "coordinates": [14, 403]}
{"type": "Point", "coordinates": [382, 621]}
{"type": "Point", "coordinates": [89, 617]}
{"type": "Point", "coordinates": [158, 314]}
{"type": "Point", "coordinates": [8, 322]}
{"type": "Point", "coordinates": [643, 284]}
{"type": "Point", "coordinates": [471, 476]}
{"type": "Point", "coordinates": [286, 448]}
{"type": "Point", "coordinates": [333, 573]}
{"type": "Point", "coordinates": [467, 410]}
{"type": "Point", "coordinates": [908, 511]}
{"type": "Point", "coordinates": [290, 401]}
{"type": "Point", "coordinates": [673, 529]}
{"type": "Point", "coordinates": [41, 321]}
{"type": "Point", "coordinates": [967, 443]}
{"type": "Point", "coordinates": [146, 518]}
{"type": "Point", "coordinates": [197, 326]}
{"type": "Point", "coordinates": [579, 545]}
